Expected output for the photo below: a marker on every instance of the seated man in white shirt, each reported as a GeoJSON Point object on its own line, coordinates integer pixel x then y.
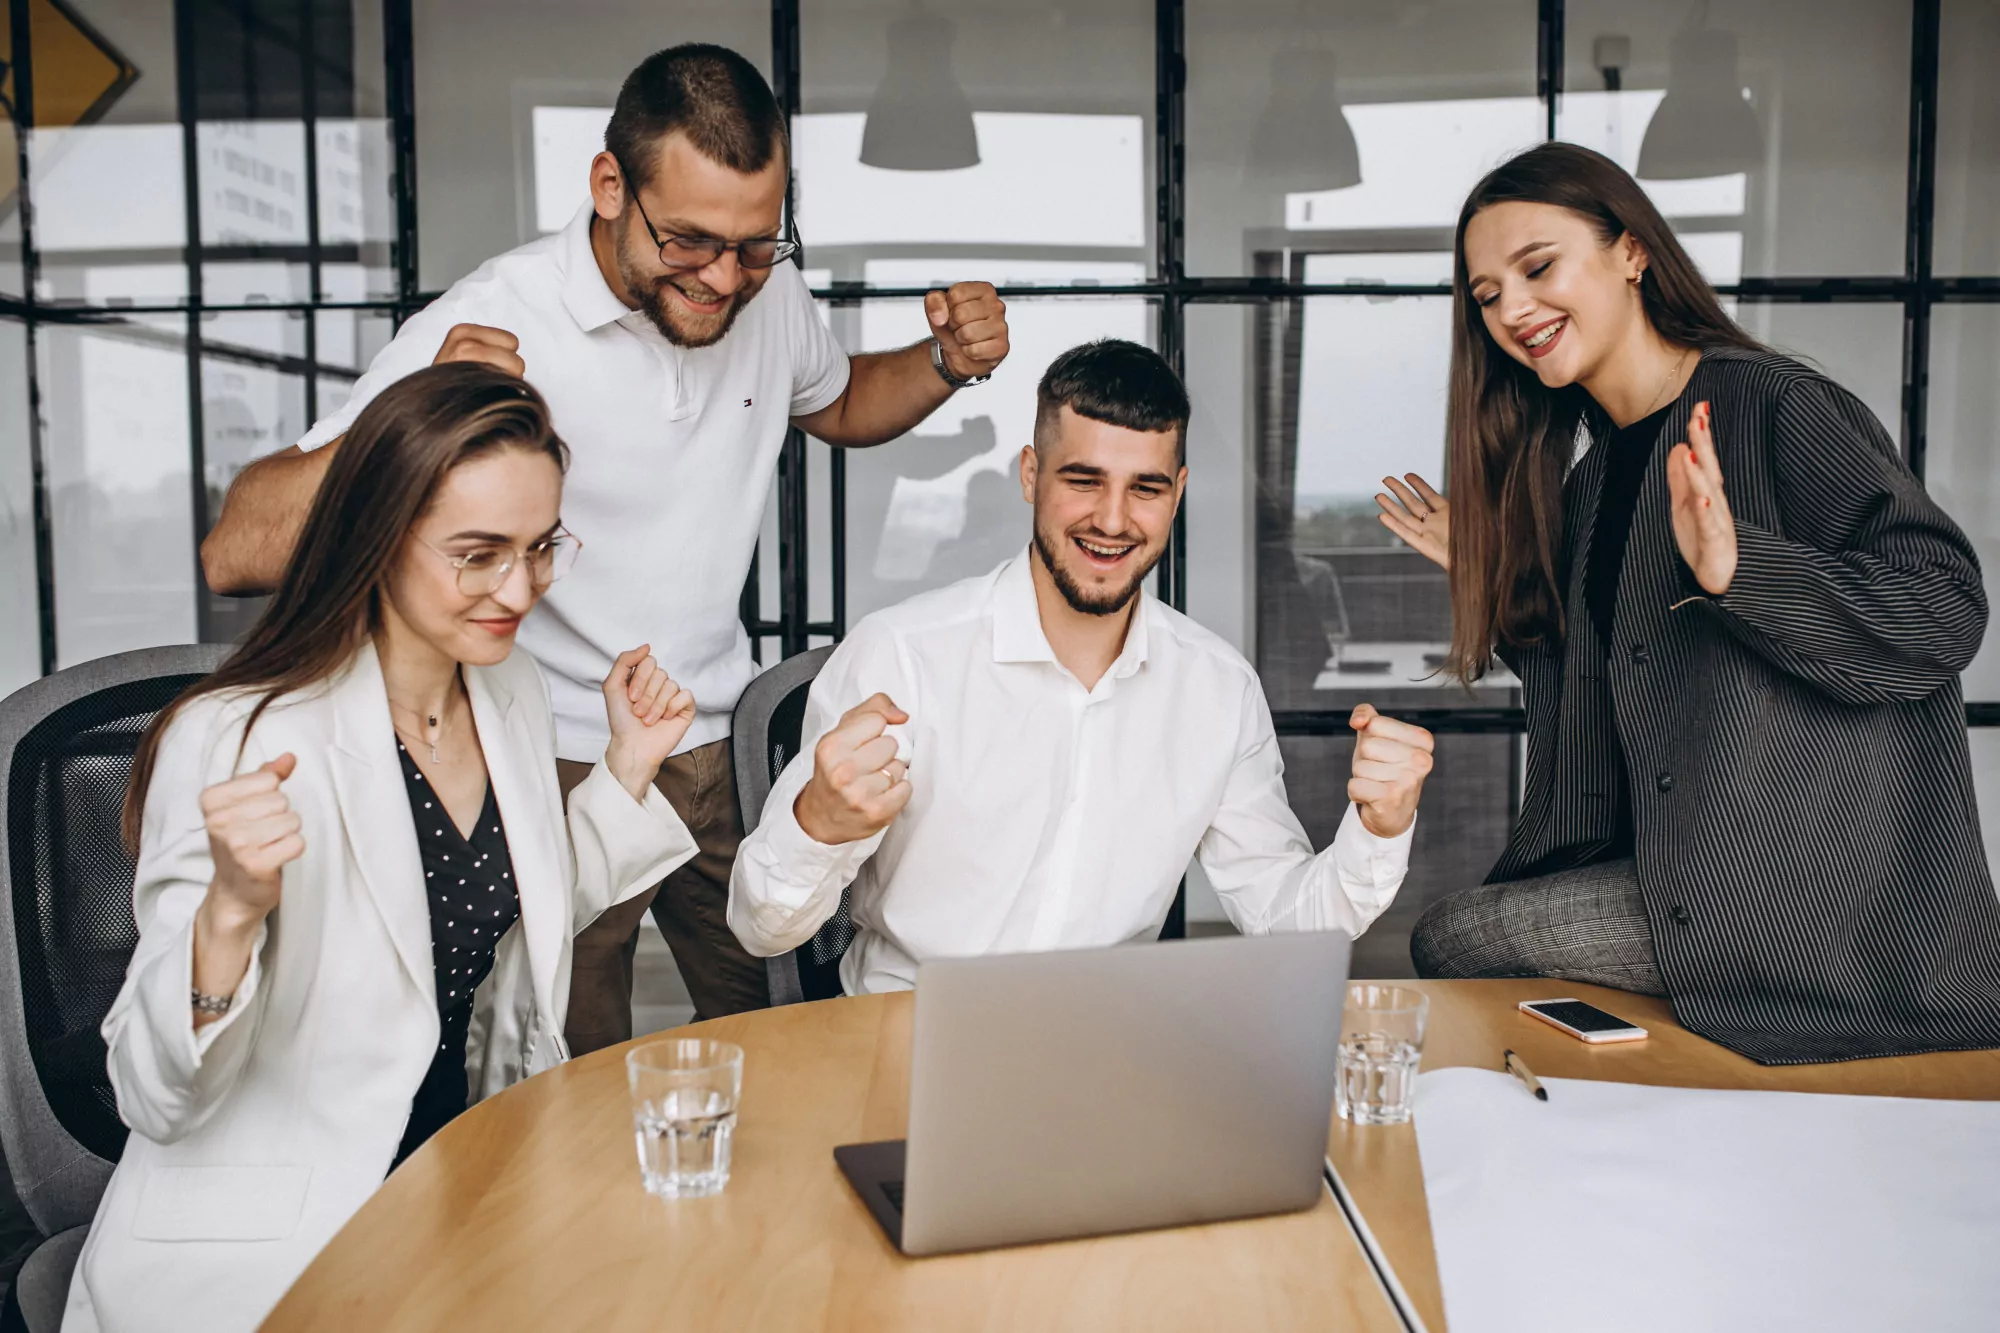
{"type": "Point", "coordinates": [1028, 760]}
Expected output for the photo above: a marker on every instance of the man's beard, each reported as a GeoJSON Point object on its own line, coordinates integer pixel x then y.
{"type": "Point", "coordinates": [1083, 600]}
{"type": "Point", "coordinates": [651, 295]}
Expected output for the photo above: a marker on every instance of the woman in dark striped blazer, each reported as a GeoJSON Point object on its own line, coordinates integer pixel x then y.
{"type": "Point", "coordinates": [1738, 621]}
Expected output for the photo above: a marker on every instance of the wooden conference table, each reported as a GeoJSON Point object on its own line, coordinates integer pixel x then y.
{"type": "Point", "coordinates": [1475, 1022]}
{"type": "Point", "coordinates": [526, 1213]}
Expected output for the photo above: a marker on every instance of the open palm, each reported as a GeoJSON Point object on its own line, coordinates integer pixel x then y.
{"type": "Point", "coordinates": [1704, 529]}
{"type": "Point", "coordinates": [1420, 516]}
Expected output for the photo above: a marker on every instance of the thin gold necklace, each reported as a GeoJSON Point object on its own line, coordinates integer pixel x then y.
{"type": "Point", "coordinates": [433, 723]}
{"type": "Point", "coordinates": [1673, 373]}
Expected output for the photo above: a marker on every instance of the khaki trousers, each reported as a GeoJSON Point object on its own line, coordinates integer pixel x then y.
{"type": "Point", "coordinates": [690, 907]}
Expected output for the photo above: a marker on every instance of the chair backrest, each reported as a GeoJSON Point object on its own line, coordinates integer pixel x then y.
{"type": "Point", "coordinates": [66, 745]}
{"type": "Point", "coordinates": [766, 728]}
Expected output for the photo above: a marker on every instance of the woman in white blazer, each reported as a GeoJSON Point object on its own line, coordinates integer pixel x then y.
{"type": "Point", "coordinates": [311, 996]}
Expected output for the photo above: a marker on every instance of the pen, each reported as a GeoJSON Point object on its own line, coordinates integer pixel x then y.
{"type": "Point", "coordinates": [1519, 1069]}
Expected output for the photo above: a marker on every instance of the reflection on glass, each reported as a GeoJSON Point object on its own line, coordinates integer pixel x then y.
{"type": "Point", "coordinates": [20, 607]}
{"type": "Point", "coordinates": [1706, 125]}
{"type": "Point", "coordinates": [1349, 116]}
{"type": "Point", "coordinates": [247, 411]}
{"type": "Point", "coordinates": [1467, 811]}
{"type": "Point", "coordinates": [115, 407]}
{"type": "Point", "coordinates": [942, 503]}
{"type": "Point", "coordinates": [1968, 138]}
{"type": "Point", "coordinates": [1343, 607]}
{"type": "Point", "coordinates": [1807, 99]}
{"type": "Point", "coordinates": [1962, 468]}
{"type": "Point", "coordinates": [485, 178]}
{"type": "Point", "coordinates": [1056, 152]}
{"type": "Point", "coordinates": [920, 119]}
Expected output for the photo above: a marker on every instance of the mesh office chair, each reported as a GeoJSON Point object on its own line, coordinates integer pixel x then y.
{"type": "Point", "coordinates": [66, 746]}
{"type": "Point", "coordinates": [766, 727]}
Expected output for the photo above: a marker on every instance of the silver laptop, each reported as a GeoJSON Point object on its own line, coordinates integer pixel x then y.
{"type": "Point", "coordinates": [1070, 1094]}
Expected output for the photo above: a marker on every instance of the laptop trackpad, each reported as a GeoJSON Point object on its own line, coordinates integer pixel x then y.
{"type": "Point", "coordinates": [876, 1172]}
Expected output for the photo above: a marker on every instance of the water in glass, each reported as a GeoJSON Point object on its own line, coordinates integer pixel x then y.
{"type": "Point", "coordinates": [1378, 1079]}
{"type": "Point", "coordinates": [684, 1140]}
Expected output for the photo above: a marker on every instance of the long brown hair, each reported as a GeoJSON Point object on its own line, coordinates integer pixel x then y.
{"type": "Point", "coordinates": [384, 476]}
{"type": "Point", "coordinates": [1508, 439]}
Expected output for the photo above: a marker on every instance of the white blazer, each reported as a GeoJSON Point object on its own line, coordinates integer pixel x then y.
{"type": "Point", "coordinates": [256, 1139]}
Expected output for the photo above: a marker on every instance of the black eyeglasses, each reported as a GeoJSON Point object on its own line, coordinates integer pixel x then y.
{"type": "Point", "coordinates": [686, 252]}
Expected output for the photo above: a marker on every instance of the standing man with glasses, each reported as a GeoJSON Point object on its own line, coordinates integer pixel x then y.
{"type": "Point", "coordinates": [674, 387]}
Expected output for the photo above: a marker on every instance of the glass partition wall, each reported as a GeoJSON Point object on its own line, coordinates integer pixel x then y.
{"type": "Point", "coordinates": [213, 212]}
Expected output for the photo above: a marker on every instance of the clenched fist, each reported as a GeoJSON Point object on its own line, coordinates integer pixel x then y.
{"type": "Point", "coordinates": [648, 712]}
{"type": "Point", "coordinates": [1390, 761]}
{"type": "Point", "coordinates": [858, 784]}
{"type": "Point", "coordinates": [969, 320]}
{"type": "Point", "coordinates": [487, 346]}
{"type": "Point", "coordinates": [253, 832]}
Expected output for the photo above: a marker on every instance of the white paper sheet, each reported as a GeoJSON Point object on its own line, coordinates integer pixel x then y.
{"type": "Point", "coordinates": [1618, 1207]}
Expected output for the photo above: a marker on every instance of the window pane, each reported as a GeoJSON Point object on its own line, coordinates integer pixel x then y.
{"type": "Point", "coordinates": [1342, 611]}
{"type": "Point", "coordinates": [1460, 833]}
{"type": "Point", "coordinates": [1968, 152]}
{"type": "Point", "coordinates": [1962, 462]}
{"type": "Point", "coordinates": [1986, 786]}
{"type": "Point", "coordinates": [1348, 124]}
{"type": "Point", "coordinates": [511, 105]}
{"type": "Point", "coordinates": [968, 125]}
{"type": "Point", "coordinates": [248, 410]}
{"type": "Point", "coordinates": [1780, 125]}
{"type": "Point", "coordinates": [105, 166]}
{"type": "Point", "coordinates": [115, 405]}
{"type": "Point", "coordinates": [943, 503]}
{"type": "Point", "coordinates": [1858, 346]}
{"type": "Point", "coordinates": [20, 607]}
{"type": "Point", "coordinates": [12, 278]}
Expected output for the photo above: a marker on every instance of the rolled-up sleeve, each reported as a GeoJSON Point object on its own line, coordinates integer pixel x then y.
{"type": "Point", "coordinates": [1263, 869]}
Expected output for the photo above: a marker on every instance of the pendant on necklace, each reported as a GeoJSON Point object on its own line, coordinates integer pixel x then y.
{"type": "Point", "coordinates": [433, 738]}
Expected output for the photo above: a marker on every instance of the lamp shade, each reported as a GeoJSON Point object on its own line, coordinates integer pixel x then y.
{"type": "Point", "coordinates": [1704, 126]}
{"type": "Point", "coordinates": [920, 119]}
{"type": "Point", "coordinates": [1302, 141]}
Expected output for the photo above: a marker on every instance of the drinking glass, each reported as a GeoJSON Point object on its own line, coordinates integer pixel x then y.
{"type": "Point", "coordinates": [684, 1095]}
{"type": "Point", "coordinates": [1381, 1044]}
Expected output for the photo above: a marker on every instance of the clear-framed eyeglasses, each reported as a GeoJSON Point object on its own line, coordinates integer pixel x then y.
{"type": "Point", "coordinates": [484, 570]}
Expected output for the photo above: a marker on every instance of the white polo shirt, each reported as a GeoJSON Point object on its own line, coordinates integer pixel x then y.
{"type": "Point", "coordinates": [673, 452]}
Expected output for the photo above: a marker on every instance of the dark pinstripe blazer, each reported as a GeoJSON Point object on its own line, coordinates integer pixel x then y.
{"type": "Point", "coordinates": [1805, 833]}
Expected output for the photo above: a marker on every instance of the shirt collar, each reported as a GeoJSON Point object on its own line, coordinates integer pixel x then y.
{"type": "Point", "coordinates": [1017, 621]}
{"type": "Point", "coordinates": [588, 298]}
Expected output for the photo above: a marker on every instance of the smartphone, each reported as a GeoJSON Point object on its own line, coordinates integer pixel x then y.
{"type": "Point", "coordinates": [1585, 1022]}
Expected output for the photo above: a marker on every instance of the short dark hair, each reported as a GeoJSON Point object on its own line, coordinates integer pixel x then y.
{"type": "Point", "coordinates": [709, 93]}
{"type": "Point", "coordinates": [1117, 382]}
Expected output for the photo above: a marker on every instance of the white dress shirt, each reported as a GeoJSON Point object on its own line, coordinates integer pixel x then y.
{"type": "Point", "coordinates": [1045, 815]}
{"type": "Point", "coordinates": [672, 454]}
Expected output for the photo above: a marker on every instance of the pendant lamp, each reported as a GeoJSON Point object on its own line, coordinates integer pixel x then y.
{"type": "Point", "coordinates": [920, 119]}
{"type": "Point", "coordinates": [1704, 126]}
{"type": "Point", "coordinates": [1302, 142]}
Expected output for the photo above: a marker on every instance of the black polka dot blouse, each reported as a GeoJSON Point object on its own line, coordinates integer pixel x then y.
{"type": "Point", "coordinates": [470, 884]}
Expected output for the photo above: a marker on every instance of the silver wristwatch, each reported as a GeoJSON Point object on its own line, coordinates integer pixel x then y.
{"type": "Point", "coordinates": [210, 1004]}
{"type": "Point", "coordinates": [937, 364]}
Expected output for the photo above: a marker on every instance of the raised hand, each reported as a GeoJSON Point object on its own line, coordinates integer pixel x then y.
{"type": "Point", "coordinates": [648, 713]}
{"type": "Point", "coordinates": [1704, 529]}
{"type": "Point", "coordinates": [858, 785]}
{"type": "Point", "coordinates": [488, 346]}
{"type": "Point", "coordinates": [1390, 761]}
{"type": "Point", "coordinates": [969, 320]}
{"type": "Point", "coordinates": [253, 833]}
{"type": "Point", "coordinates": [1420, 516]}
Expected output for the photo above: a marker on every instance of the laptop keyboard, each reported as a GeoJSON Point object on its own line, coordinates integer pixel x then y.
{"type": "Point", "coordinates": [893, 1191]}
